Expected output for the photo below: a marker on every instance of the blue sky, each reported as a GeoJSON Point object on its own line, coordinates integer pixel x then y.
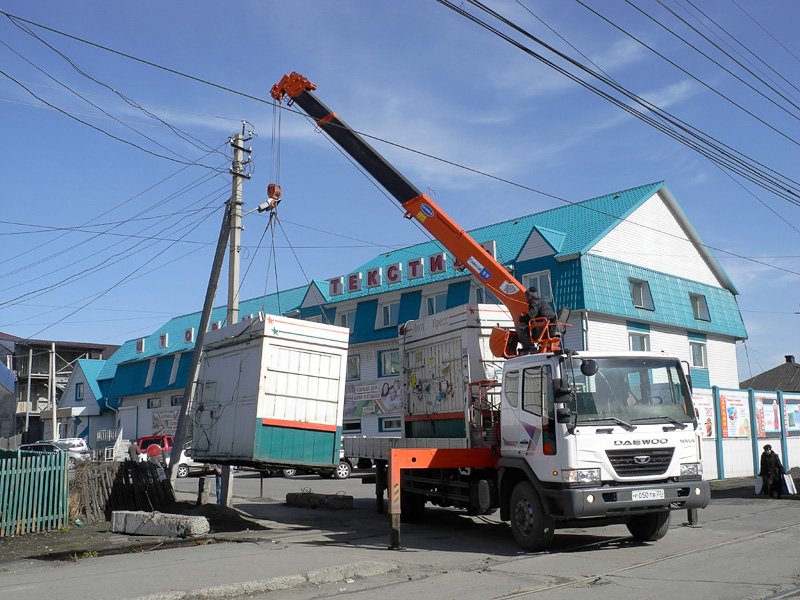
{"type": "Point", "coordinates": [414, 73]}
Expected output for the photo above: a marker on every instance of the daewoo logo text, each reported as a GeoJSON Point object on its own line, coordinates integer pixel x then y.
{"type": "Point", "coordinates": [652, 442]}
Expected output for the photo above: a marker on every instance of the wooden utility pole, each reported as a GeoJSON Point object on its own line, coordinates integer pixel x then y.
{"type": "Point", "coordinates": [231, 228]}
{"type": "Point", "coordinates": [237, 171]}
{"type": "Point", "coordinates": [51, 378]}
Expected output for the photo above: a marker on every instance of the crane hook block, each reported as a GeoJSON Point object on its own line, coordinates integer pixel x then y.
{"type": "Point", "coordinates": [274, 194]}
{"type": "Point", "coordinates": [291, 85]}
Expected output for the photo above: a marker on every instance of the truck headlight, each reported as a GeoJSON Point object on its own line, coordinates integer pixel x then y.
{"type": "Point", "coordinates": [691, 470]}
{"type": "Point", "coordinates": [581, 476]}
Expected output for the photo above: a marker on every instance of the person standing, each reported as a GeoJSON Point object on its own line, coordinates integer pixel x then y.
{"type": "Point", "coordinates": [771, 473]}
{"type": "Point", "coordinates": [133, 451]}
{"type": "Point", "coordinates": [218, 481]}
{"type": "Point", "coordinates": [537, 308]}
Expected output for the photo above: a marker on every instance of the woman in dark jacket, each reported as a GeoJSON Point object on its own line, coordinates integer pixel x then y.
{"type": "Point", "coordinates": [771, 473]}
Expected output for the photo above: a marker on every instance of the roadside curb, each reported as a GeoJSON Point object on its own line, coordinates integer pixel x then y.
{"type": "Point", "coordinates": [355, 570]}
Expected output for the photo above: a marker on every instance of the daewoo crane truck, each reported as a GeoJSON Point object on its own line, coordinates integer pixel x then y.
{"type": "Point", "coordinates": [552, 439]}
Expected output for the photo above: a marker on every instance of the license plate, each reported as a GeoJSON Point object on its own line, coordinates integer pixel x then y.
{"type": "Point", "coordinates": [647, 495]}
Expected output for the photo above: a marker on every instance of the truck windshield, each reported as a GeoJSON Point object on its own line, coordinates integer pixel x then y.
{"type": "Point", "coordinates": [632, 390]}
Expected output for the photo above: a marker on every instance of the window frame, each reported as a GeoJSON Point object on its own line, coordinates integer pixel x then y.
{"type": "Point", "coordinates": [349, 318]}
{"type": "Point", "coordinates": [436, 299]}
{"type": "Point", "coordinates": [383, 427]}
{"type": "Point", "coordinates": [381, 362]}
{"type": "Point", "coordinates": [699, 307]}
{"type": "Point", "coordinates": [703, 354]}
{"type": "Point", "coordinates": [393, 319]}
{"type": "Point", "coordinates": [645, 301]}
{"type": "Point", "coordinates": [535, 279]}
{"type": "Point", "coordinates": [639, 335]}
{"type": "Point", "coordinates": [356, 358]}
{"type": "Point", "coordinates": [153, 403]}
{"type": "Point", "coordinates": [79, 391]}
{"type": "Point", "coordinates": [173, 399]}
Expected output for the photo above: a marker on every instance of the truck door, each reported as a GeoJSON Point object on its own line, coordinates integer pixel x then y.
{"type": "Point", "coordinates": [528, 425]}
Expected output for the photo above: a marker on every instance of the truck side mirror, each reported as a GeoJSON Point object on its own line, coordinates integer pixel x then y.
{"type": "Point", "coordinates": [564, 415]}
{"type": "Point", "coordinates": [560, 390]}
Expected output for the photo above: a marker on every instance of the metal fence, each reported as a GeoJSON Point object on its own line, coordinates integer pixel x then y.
{"type": "Point", "coordinates": [33, 492]}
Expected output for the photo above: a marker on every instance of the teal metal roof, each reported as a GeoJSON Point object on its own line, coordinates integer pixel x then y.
{"type": "Point", "coordinates": [278, 303]}
{"type": "Point", "coordinates": [91, 370]}
{"type": "Point", "coordinates": [607, 290]}
{"type": "Point", "coordinates": [570, 230]}
{"type": "Point", "coordinates": [128, 368]}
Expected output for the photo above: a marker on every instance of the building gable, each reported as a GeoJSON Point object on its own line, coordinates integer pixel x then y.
{"type": "Point", "coordinates": [654, 238]}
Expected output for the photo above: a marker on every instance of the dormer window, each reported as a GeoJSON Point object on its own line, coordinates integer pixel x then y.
{"type": "Point", "coordinates": [640, 294]}
{"type": "Point", "coordinates": [699, 307]}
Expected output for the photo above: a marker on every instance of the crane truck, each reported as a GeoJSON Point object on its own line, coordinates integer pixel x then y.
{"type": "Point", "coordinates": [554, 438]}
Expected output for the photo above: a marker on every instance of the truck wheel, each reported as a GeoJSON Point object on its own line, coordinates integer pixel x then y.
{"type": "Point", "coordinates": [289, 472]}
{"type": "Point", "coordinates": [532, 528]}
{"type": "Point", "coordinates": [183, 470]}
{"type": "Point", "coordinates": [343, 470]}
{"type": "Point", "coordinates": [649, 527]}
{"type": "Point", "coordinates": [412, 507]}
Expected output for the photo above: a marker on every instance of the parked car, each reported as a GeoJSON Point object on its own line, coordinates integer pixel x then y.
{"type": "Point", "coordinates": [187, 465]}
{"type": "Point", "coordinates": [76, 449]}
{"type": "Point", "coordinates": [152, 445]}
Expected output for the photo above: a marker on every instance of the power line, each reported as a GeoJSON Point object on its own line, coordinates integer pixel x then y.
{"type": "Point", "coordinates": [776, 40]}
{"type": "Point", "coordinates": [200, 145]}
{"type": "Point", "coordinates": [99, 129]}
{"type": "Point", "coordinates": [745, 48]}
{"type": "Point", "coordinates": [737, 165]}
{"type": "Point", "coordinates": [728, 71]}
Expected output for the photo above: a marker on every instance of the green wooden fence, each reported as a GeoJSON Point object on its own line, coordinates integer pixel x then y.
{"type": "Point", "coordinates": [33, 492]}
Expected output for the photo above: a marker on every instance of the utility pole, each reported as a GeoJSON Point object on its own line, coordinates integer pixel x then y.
{"type": "Point", "coordinates": [28, 391]}
{"type": "Point", "coordinates": [231, 228]}
{"type": "Point", "coordinates": [52, 380]}
{"type": "Point", "coordinates": [238, 174]}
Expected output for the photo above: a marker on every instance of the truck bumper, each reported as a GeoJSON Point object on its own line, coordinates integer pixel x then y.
{"type": "Point", "coordinates": [574, 503]}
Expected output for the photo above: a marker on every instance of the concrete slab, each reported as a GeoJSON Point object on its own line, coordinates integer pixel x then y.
{"type": "Point", "coordinates": [136, 522]}
{"type": "Point", "coordinates": [311, 500]}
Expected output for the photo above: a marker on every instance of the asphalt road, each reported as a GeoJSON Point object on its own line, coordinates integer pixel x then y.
{"type": "Point", "coordinates": [744, 548]}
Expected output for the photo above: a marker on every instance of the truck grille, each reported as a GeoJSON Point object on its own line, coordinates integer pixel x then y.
{"type": "Point", "coordinates": [645, 461]}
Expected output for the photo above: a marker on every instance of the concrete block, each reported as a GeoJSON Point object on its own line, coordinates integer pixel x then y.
{"type": "Point", "coordinates": [155, 523]}
{"type": "Point", "coordinates": [311, 500]}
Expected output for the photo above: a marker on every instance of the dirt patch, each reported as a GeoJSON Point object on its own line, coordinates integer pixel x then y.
{"type": "Point", "coordinates": [96, 539]}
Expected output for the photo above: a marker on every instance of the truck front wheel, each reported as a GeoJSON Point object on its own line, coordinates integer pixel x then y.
{"type": "Point", "coordinates": [533, 529]}
{"type": "Point", "coordinates": [649, 527]}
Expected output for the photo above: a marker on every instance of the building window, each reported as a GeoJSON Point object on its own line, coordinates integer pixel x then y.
{"type": "Point", "coordinates": [389, 424]}
{"type": "Point", "coordinates": [347, 319]}
{"type": "Point", "coordinates": [388, 363]}
{"type": "Point", "coordinates": [699, 307]}
{"type": "Point", "coordinates": [351, 427]}
{"type": "Point", "coordinates": [484, 296]}
{"type": "Point", "coordinates": [640, 294]}
{"type": "Point", "coordinates": [175, 400]}
{"type": "Point", "coordinates": [154, 403]}
{"type": "Point", "coordinates": [435, 304]}
{"type": "Point", "coordinates": [698, 351]}
{"type": "Point", "coordinates": [541, 281]}
{"type": "Point", "coordinates": [353, 367]}
{"type": "Point", "coordinates": [639, 342]}
{"type": "Point", "coordinates": [79, 392]}
{"type": "Point", "coordinates": [388, 314]}
{"type": "Point", "coordinates": [163, 340]}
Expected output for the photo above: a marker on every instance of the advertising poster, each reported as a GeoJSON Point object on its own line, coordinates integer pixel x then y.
{"type": "Point", "coordinates": [165, 422]}
{"type": "Point", "coordinates": [768, 419]}
{"type": "Point", "coordinates": [791, 407]}
{"type": "Point", "coordinates": [734, 414]}
{"type": "Point", "coordinates": [704, 411]}
{"type": "Point", "coordinates": [372, 397]}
